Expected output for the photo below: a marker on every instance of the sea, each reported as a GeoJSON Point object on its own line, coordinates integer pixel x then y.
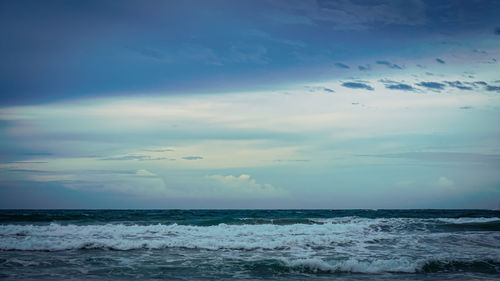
{"type": "Point", "coordinates": [250, 244]}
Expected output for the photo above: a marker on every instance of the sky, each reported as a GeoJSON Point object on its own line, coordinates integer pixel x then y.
{"type": "Point", "coordinates": [250, 104]}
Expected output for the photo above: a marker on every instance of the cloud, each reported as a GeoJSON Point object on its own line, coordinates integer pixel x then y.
{"type": "Point", "coordinates": [357, 85]}
{"type": "Point", "coordinates": [272, 38]}
{"type": "Point", "coordinates": [151, 54]}
{"type": "Point", "coordinates": [388, 64]}
{"type": "Point", "coordinates": [432, 85]}
{"type": "Point", "coordinates": [400, 86]}
{"type": "Point", "coordinates": [251, 54]}
{"type": "Point", "coordinates": [140, 183]}
{"type": "Point", "coordinates": [440, 61]}
{"type": "Point", "coordinates": [160, 150]}
{"type": "Point", "coordinates": [466, 107]}
{"type": "Point", "coordinates": [445, 182]}
{"type": "Point", "coordinates": [132, 158]}
{"type": "Point", "coordinates": [364, 67]}
{"type": "Point", "coordinates": [479, 51]}
{"type": "Point", "coordinates": [245, 186]}
{"type": "Point", "coordinates": [292, 160]}
{"type": "Point", "coordinates": [497, 31]}
{"type": "Point", "coordinates": [144, 173]}
{"type": "Point", "coordinates": [315, 88]}
{"type": "Point", "coordinates": [341, 65]}
{"type": "Point", "coordinates": [351, 15]}
{"type": "Point", "coordinates": [480, 83]}
{"type": "Point", "coordinates": [192, 158]}
{"type": "Point", "coordinates": [455, 157]}
{"type": "Point", "coordinates": [492, 88]}
{"type": "Point", "coordinates": [284, 18]}
{"type": "Point", "coordinates": [458, 85]}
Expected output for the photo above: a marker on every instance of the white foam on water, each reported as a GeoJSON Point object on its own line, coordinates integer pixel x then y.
{"type": "Point", "coordinates": [336, 245]}
{"type": "Point", "coordinates": [353, 265]}
{"type": "Point", "coordinates": [468, 220]}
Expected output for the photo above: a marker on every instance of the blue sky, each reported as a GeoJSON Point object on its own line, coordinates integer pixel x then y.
{"type": "Point", "coordinates": [249, 104]}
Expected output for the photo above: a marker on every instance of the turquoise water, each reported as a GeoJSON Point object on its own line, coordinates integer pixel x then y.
{"type": "Point", "coordinates": [250, 244]}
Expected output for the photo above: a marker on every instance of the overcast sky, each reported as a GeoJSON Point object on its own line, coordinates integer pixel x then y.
{"type": "Point", "coordinates": [250, 104]}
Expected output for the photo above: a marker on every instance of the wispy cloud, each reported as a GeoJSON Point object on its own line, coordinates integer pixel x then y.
{"type": "Point", "coordinates": [192, 158]}
{"type": "Point", "coordinates": [133, 157]}
{"type": "Point", "coordinates": [319, 88]}
{"type": "Point", "coordinates": [456, 157]}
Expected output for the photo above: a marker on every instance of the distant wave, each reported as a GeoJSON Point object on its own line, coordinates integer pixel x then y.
{"type": "Point", "coordinates": [215, 217]}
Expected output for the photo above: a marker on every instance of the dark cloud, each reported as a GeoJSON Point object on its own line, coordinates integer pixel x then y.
{"type": "Point", "coordinates": [466, 107]}
{"type": "Point", "coordinates": [458, 85]}
{"type": "Point", "coordinates": [497, 31]}
{"type": "Point", "coordinates": [480, 83]}
{"type": "Point", "coordinates": [357, 85]}
{"type": "Point", "coordinates": [440, 61]}
{"type": "Point", "coordinates": [341, 65]}
{"type": "Point", "coordinates": [394, 85]}
{"type": "Point", "coordinates": [100, 48]}
{"type": "Point", "coordinates": [134, 157]}
{"type": "Point", "coordinates": [192, 158]}
{"type": "Point", "coordinates": [328, 90]}
{"type": "Point", "coordinates": [432, 85]}
{"type": "Point", "coordinates": [364, 67]}
{"type": "Point", "coordinates": [493, 88]}
{"type": "Point", "coordinates": [389, 64]}
{"type": "Point", "coordinates": [400, 86]}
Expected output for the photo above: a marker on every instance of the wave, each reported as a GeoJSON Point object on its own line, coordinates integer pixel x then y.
{"type": "Point", "coordinates": [350, 234]}
{"type": "Point", "coordinates": [469, 220]}
{"type": "Point", "coordinates": [347, 244]}
{"type": "Point", "coordinates": [316, 265]}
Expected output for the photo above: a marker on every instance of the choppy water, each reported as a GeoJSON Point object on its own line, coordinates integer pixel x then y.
{"type": "Point", "coordinates": [250, 244]}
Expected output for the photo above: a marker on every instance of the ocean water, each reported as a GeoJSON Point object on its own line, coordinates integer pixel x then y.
{"type": "Point", "coordinates": [250, 245]}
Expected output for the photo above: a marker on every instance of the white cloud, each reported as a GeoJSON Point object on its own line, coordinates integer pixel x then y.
{"type": "Point", "coordinates": [144, 173]}
{"type": "Point", "coordinates": [445, 182]}
{"type": "Point", "coordinates": [245, 186]}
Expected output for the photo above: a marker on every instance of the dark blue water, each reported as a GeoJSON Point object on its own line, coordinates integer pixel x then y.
{"type": "Point", "coordinates": [250, 244]}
